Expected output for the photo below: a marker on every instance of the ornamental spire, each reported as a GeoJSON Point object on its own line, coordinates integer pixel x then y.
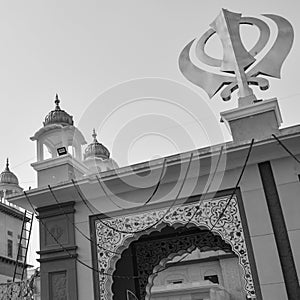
{"type": "Point", "coordinates": [7, 165]}
{"type": "Point", "coordinates": [57, 101]}
{"type": "Point", "coordinates": [94, 135]}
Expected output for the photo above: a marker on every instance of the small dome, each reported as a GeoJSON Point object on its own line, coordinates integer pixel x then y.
{"type": "Point", "coordinates": [8, 177]}
{"type": "Point", "coordinates": [58, 116]}
{"type": "Point", "coordinates": [96, 149]}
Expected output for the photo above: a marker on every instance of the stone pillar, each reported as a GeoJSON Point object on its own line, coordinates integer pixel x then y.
{"type": "Point", "coordinates": [39, 151]}
{"type": "Point", "coordinates": [231, 273]}
{"type": "Point", "coordinates": [58, 252]}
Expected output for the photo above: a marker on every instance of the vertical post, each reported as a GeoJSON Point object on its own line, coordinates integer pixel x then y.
{"type": "Point", "coordinates": [39, 151]}
{"type": "Point", "coordinates": [58, 252]}
{"type": "Point", "coordinates": [280, 231]}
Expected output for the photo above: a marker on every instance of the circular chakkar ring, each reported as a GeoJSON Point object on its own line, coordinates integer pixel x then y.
{"type": "Point", "coordinates": [260, 44]}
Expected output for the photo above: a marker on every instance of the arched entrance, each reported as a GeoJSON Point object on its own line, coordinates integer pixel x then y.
{"type": "Point", "coordinates": [207, 212]}
{"type": "Point", "coordinates": [150, 253]}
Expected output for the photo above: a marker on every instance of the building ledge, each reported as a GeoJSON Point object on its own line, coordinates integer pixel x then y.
{"type": "Point", "coordinates": [11, 261]}
{"type": "Point", "coordinates": [9, 210]}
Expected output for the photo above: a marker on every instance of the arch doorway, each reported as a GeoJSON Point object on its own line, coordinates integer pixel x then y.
{"type": "Point", "coordinates": [200, 231]}
{"type": "Point", "coordinates": [188, 261]}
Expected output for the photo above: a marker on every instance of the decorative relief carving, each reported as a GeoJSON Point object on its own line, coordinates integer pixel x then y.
{"type": "Point", "coordinates": [57, 229]}
{"type": "Point", "coordinates": [58, 286]}
{"type": "Point", "coordinates": [206, 215]}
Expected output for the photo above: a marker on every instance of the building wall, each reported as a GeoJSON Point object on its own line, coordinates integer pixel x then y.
{"type": "Point", "coordinates": [288, 187]}
{"type": "Point", "coordinates": [9, 223]}
{"type": "Point", "coordinates": [4, 278]}
{"type": "Point", "coordinates": [13, 224]}
{"type": "Point", "coordinates": [257, 222]}
{"type": "Point", "coordinates": [258, 219]}
{"type": "Point", "coordinates": [226, 268]}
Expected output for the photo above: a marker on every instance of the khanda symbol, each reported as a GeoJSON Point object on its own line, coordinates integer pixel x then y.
{"type": "Point", "coordinates": [236, 59]}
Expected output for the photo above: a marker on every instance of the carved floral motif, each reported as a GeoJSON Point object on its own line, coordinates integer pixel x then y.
{"type": "Point", "coordinates": [203, 214]}
{"type": "Point", "coordinates": [59, 286]}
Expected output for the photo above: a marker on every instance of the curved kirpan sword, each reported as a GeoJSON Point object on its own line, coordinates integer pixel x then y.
{"type": "Point", "coordinates": [270, 64]}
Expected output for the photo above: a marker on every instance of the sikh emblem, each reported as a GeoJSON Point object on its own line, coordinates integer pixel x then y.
{"type": "Point", "coordinates": [239, 65]}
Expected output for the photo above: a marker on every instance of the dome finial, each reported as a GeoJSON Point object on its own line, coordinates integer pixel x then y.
{"type": "Point", "coordinates": [7, 176]}
{"type": "Point", "coordinates": [94, 135]}
{"type": "Point", "coordinates": [96, 149]}
{"type": "Point", "coordinates": [57, 101]}
{"type": "Point", "coordinates": [58, 116]}
{"type": "Point", "coordinates": [7, 165]}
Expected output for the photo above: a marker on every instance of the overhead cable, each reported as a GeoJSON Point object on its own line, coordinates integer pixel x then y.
{"type": "Point", "coordinates": [149, 199]}
{"type": "Point", "coordinates": [76, 227]}
{"type": "Point", "coordinates": [87, 204]}
{"type": "Point", "coordinates": [285, 148]}
{"type": "Point", "coordinates": [236, 186]}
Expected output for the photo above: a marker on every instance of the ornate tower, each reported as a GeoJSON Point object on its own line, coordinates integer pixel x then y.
{"type": "Point", "coordinates": [62, 142]}
{"type": "Point", "coordinates": [97, 157]}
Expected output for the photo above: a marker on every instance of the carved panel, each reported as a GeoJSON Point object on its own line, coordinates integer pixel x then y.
{"type": "Point", "coordinates": [207, 212]}
{"type": "Point", "coordinates": [58, 229]}
{"type": "Point", "coordinates": [58, 285]}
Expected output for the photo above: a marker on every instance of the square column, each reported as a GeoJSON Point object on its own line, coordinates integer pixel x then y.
{"type": "Point", "coordinates": [259, 120]}
{"type": "Point", "coordinates": [58, 252]}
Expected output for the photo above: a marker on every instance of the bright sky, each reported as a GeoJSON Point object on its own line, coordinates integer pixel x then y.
{"type": "Point", "coordinates": [92, 54]}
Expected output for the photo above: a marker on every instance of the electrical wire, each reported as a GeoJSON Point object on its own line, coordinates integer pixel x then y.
{"type": "Point", "coordinates": [236, 186]}
{"type": "Point", "coordinates": [149, 199]}
{"type": "Point", "coordinates": [207, 189]}
{"type": "Point", "coordinates": [285, 148]}
{"type": "Point", "coordinates": [76, 227]}
{"type": "Point", "coordinates": [137, 277]}
{"type": "Point", "coordinates": [72, 255]}
{"type": "Point", "coordinates": [85, 201]}
{"type": "Point", "coordinates": [153, 193]}
{"type": "Point", "coordinates": [22, 163]}
{"type": "Point", "coordinates": [229, 200]}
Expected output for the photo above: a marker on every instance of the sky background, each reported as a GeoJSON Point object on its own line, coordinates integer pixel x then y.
{"type": "Point", "coordinates": [92, 54]}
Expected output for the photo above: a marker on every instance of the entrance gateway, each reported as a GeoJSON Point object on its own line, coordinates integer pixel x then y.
{"type": "Point", "coordinates": [227, 234]}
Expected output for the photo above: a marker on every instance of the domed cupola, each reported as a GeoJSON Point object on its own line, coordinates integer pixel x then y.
{"type": "Point", "coordinates": [58, 116]}
{"type": "Point", "coordinates": [9, 183]}
{"type": "Point", "coordinates": [96, 149]}
{"type": "Point", "coordinates": [59, 148]}
{"type": "Point", "coordinates": [8, 177]}
{"type": "Point", "coordinates": [97, 157]}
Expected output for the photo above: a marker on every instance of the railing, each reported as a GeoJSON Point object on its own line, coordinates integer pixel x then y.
{"type": "Point", "coordinates": [22, 290]}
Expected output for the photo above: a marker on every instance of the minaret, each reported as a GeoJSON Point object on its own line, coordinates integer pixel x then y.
{"type": "Point", "coordinates": [62, 142]}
